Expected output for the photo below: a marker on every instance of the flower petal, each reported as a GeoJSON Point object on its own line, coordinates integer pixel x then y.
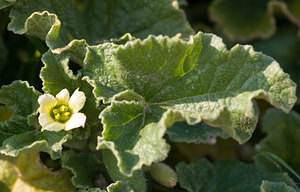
{"type": "Point", "coordinates": [77, 120]}
{"type": "Point", "coordinates": [63, 96]}
{"type": "Point", "coordinates": [54, 127]}
{"type": "Point", "coordinates": [77, 100]}
{"type": "Point", "coordinates": [46, 102]}
{"type": "Point", "coordinates": [45, 119]}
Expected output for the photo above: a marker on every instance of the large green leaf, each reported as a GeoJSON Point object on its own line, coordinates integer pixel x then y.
{"type": "Point", "coordinates": [94, 21]}
{"type": "Point", "coordinates": [18, 131]}
{"type": "Point", "coordinates": [245, 20]}
{"type": "Point", "coordinates": [27, 174]}
{"type": "Point", "coordinates": [227, 175]}
{"type": "Point", "coordinates": [158, 81]}
{"type": "Point", "coordinates": [283, 138]}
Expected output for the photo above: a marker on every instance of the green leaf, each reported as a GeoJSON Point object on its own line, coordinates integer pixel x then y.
{"type": "Point", "coordinates": [200, 133]}
{"type": "Point", "coordinates": [268, 186]}
{"type": "Point", "coordinates": [119, 186]}
{"type": "Point", "coordinates": [56, 76]}
{"type": "Point", "coordinates": [84, 166]}
{"type": "Point", "coordinates": [27, 174]}
{"type": "Point", "coordinates": [287, 57]}
{"type": "Point", "coordinates": [245, 20]}
{"type": "Point", "coordinates": [282, 136]}
{"type": "Point", "coordinates": [90, 190]}
{"type": "Point", "coordinates": [6, 3]}
{"type": "Point", "coordinates": [204, 176]}
{"type": "Point", "coordinates": [94, 21]}
{"type": "Point", "coordinates": [137, 181]}
{"type": "Point", "coordinates": [17, 131]}
{"type": "Point", "coordinates": [156, 82]}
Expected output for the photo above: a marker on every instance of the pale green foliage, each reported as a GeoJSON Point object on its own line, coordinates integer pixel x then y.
{"type": "Point", "coordinates": [94, 21]}
{"type": "Point", "coordinates": [27, 174]}
{"type": "Point", "coordinates": [154, 83]}
{"type": "Point", "coordinates": [227, 175]}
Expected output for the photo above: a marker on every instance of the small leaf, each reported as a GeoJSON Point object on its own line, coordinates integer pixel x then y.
{"type": "Point", "coordinates": [204, 176]}
{"type": "Point", "coordinates": [137, 181]}
{"type": "Point", "coordinates": [27, 173]}
{"type": "Point", "coordinates": [84, 166]}
{"type": "Point", "coordinates": [18, 133]}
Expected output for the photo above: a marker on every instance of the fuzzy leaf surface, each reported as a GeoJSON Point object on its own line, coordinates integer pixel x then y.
{"type": "Point", "coordinates": [136, 182]}
{"type": "Point", "coordinates": [283, 132]}
{"type": "Point", "coordinates": [156, 82]}
{"type": "Point", "coordinates": [18, 131]}
{"type": "Point", "coordinates": [27, 174]}
{"type": "Point", "coordinates": [206, 177]}
{"type": "Point", "coordinates": [94, 21]}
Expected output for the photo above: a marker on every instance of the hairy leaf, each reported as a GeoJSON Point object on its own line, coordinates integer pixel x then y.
{"type": "Point", "coordinates": [288, 57]}
{"type": "Point", "coordinates": [27, 174]}
{"type": "Point", "coordinates": [283, 135]}
{"type": "Point", "coordinates": [94, 21]}
{"type": "Point", "coordinates": [159, 81]}
{"type": "Point", "coordinates": [226, 175]}
{"type": "Point", "coordinates": [137, 181]}
{"type": "Point", "coordinates": [17, 132]}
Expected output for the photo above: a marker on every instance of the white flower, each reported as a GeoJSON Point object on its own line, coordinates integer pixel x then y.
{"type": "Point", "coordinates": [61, 112]}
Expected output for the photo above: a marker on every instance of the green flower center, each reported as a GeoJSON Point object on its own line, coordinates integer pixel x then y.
{"type": "Point", "coordinates": [61, 113]}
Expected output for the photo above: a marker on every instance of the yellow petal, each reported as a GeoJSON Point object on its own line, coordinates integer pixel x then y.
{"type": "Point", "coordinates": [77, 120]}
{"type": "Point", "coordinates": [46, 102]}
{"type": "Point", "coordinates": [45, 119]}
{"type": "Point", "coordinates": [77, 101]}
{"type": "Point", "coordinates": [54, 127]}
{"type": "Point", "coordinates": [63, 96]}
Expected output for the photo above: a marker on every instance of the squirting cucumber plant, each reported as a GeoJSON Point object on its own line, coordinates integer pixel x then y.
{"type": "Point", "coordinates": [128, 94]}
